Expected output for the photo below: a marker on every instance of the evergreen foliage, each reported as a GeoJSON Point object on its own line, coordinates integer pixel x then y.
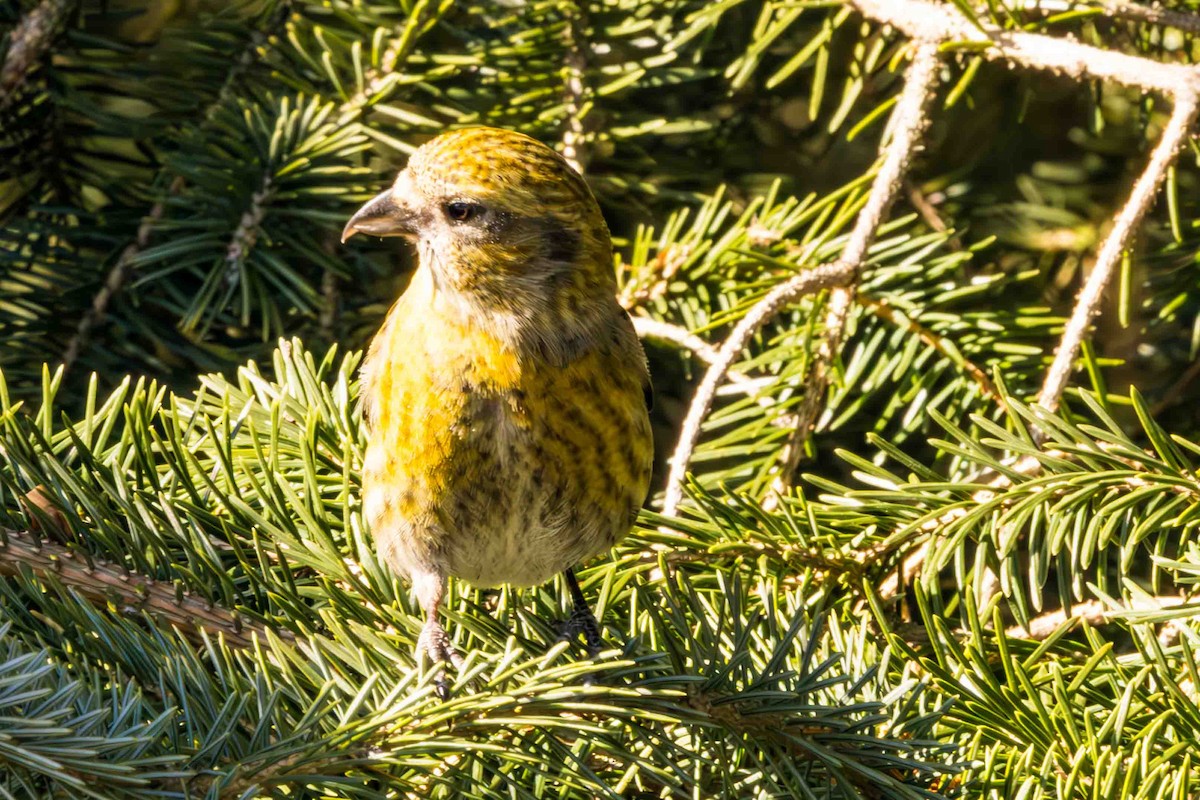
{"type": "Point", "coordinates": [966, 594]}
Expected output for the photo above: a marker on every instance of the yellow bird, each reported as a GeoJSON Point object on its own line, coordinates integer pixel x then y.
{"type": "Point", "coordinates": [506, 395]}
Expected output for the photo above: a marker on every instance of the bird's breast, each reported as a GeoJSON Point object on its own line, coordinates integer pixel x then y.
{"type": "Point", "coordinates": [492, 465]}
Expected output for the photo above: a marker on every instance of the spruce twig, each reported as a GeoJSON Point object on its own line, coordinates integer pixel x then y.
{"type": "Point", "coordinates": [102, 582]}
{"type": "Point", "coordinates": [908, 123]}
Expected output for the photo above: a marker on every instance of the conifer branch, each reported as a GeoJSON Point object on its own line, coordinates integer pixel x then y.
{"type": "Point", "coordinates": [378, 79]}
{"type": "Point", "coordinates": [119, 274]}
{"type": "Point", "coordinates": [27, 43]}
{"type": "Point", "coordinates": [908, 123]}
{"type": "Point", "coordinates": [576, 93]}
{"type": "Point", "coordinates": [1093, 612]}
{"type": "Point", "coordinates": [1181, 83]}
{"type": "Point", "coordinates": [245, 236]}
{"type": "Point", "coordinates": [942, 22]}
{"type": "Point", "coordinates": [1087, 304]}
{"type": "Point", "coordinates": [104, 583]}
{"type": "Point", "coordinates": [826, 276]}
{"type": "Point", "coordinates": [116, 278]}
{"type": "Point", "coordinates": [931, 23]}
{"type": "Point", "coordinates": [649, 328]}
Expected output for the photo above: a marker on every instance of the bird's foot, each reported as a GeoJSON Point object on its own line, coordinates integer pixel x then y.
{"type": "Point", "coordinates": [582, 621]}
{"type": "Point", "coordinates": [434, 643]}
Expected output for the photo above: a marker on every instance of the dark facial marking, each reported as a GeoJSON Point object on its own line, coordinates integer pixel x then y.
{"type": "Point", "coordinates": [498, 222]}
{"type": "Point", "coordinates": [561, 245]}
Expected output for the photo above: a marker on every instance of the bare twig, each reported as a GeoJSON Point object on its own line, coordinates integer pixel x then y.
{"type": "Point", "coordinates": [1113, 9]}
{"type": "Point", "coordinates": [1153, 14]}
{"type": "Point", "coordinates": [908, 122]}
{"type": "Point", "coordinates": [1092, 612]}
{"type": "Point", "coordinates": [1140, 199]}
{"type": "Point", "coordinates": [825, 276]}
{"type": "Point", "coordinates": [245, 236]}
{"type": "Point", "coordinates": [116, 279]}
{"type": "Point", "coordinates": [576, 93]}
{"type": "Point", "coordinates": [648, 328]}
{"type": "Point", "coordinates": [119, 274]}
{"type": "Point", "coordinates": [739, 382]}
{"type": "Point", "coordinates": [105, 583]}
{"type": "Point", "coordinates": [27, 43]}
{"type": "Point", "coordinates": [941, 22]}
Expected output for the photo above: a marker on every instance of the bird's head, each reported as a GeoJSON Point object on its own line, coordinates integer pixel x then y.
{"type": "Point", "coordinates": [497, 214]}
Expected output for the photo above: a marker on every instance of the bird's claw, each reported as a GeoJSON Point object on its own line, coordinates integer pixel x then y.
{"type": "Point", "coordinates": [582, 621]}
{"type": "Point", "coordinates": [434, 643]}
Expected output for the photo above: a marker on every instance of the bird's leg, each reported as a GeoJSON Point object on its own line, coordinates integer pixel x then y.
{"type": "Point", "coordinates": [434, 641]}
{"type": "Point", "coordinates": [582, 620]}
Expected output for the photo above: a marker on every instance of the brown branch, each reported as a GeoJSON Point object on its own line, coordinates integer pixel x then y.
{"type": "Point", "coordinates": [119, 274]}
{"type": "Point", "coordinates": [245, 236]}
{"type": "Point", "coordinates": [116, 279]}
{"type": "Point", "coordinates": [577, 95]}
{"type": "Point", "coordinates": [29, 40]}
{"type": "Point", "coordinates": [929, 214]}
{"type": "Point", "coordinates": [331, 293]}
{"type": "Point", "coordinates": [929, 532]}
{"type": "Point", "coordinates": [1174, 394]}
{"type": "Point", "coordinates": [884, 310]}
{"type": "Point", "coordinates": [104, 583]}
{"type": "Point", "coordinates": [836, 314]}
{"type": "Point", "coordinates": [908, 121]}
{"type": "Point", "coordinates": [1087, 304]}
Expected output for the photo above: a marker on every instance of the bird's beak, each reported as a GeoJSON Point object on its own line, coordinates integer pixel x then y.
{"type": "Point", "coordinates": [383, 215]}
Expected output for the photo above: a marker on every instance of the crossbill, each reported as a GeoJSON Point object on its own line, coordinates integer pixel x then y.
{"type": "Point", "coordinates": [506, 394]}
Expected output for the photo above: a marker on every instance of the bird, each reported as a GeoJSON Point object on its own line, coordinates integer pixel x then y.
{"type": "Point", "coordinates": [506, 396]}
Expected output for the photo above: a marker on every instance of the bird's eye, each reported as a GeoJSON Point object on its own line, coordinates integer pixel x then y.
{"type": "Point", "coordinates": [461, 212]}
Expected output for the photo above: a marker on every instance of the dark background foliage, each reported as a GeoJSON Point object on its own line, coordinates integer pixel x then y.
{"type": "Point", "coordinates": [174, 176]}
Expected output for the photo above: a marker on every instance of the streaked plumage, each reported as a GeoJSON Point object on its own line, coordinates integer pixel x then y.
{"type": "Point", "coordinates": [505, 393]}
